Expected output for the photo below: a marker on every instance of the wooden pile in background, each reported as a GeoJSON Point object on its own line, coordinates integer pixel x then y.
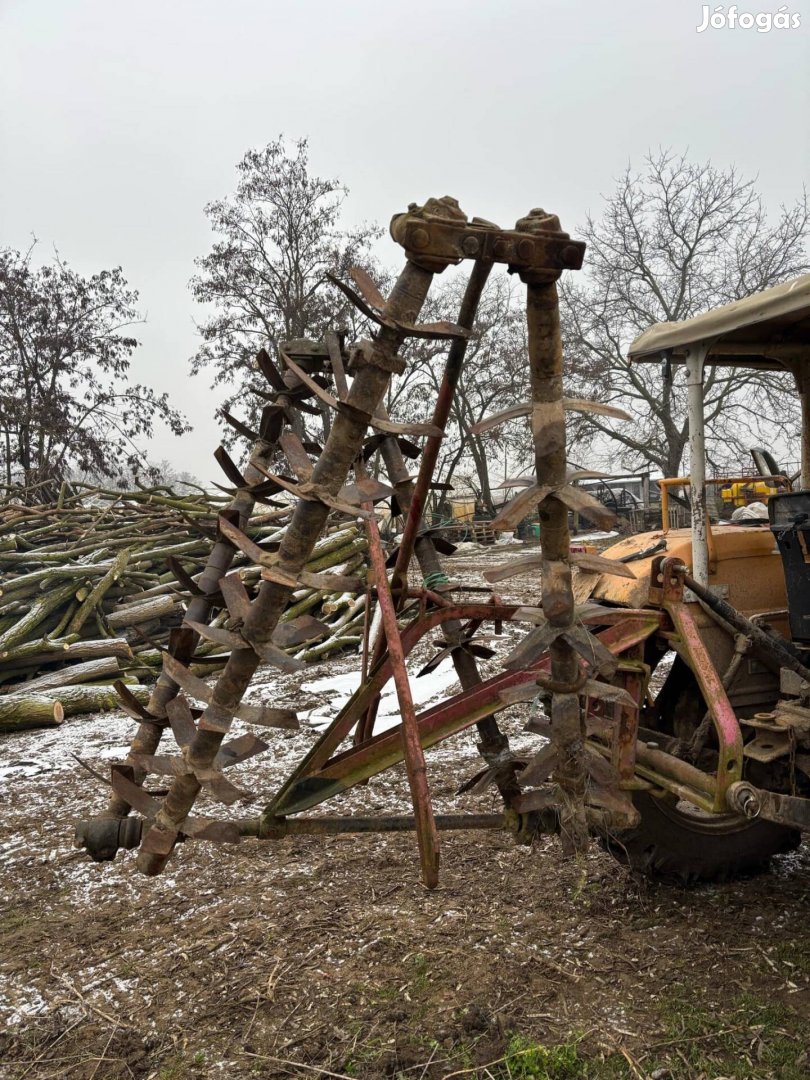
{"type": "Point", "coordinates": [91, 586]}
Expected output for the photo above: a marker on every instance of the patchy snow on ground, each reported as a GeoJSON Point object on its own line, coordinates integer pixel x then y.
{"type": "Point", "coordinates": [429, 688]}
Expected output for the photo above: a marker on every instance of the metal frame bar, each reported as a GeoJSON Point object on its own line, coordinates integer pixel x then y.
{"type": "Point", "coordinates": [310, 786]}
{"type": "Point", "coordinates": [727, 729]}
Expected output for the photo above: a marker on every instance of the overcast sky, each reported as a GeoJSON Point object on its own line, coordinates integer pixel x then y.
{"type": "Point", "coordinates": [120, 120]}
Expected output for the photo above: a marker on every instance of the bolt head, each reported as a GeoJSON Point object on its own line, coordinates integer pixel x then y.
{"type": "Point", "coordinates": [419, 238]}
{"type": "Point", "coordinates": [525, 250]}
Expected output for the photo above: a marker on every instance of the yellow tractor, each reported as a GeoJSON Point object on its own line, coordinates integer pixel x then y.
{"type": "Point", "coordinates": [730, 660]}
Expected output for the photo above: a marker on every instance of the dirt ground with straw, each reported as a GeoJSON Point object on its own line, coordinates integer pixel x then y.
{"type": "Point", "coordinates": [325, 957]}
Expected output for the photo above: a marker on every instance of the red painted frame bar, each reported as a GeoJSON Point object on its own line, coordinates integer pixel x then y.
{"type": "Point", "coordinates": [411, 744]}
{"type": "Point", "coordinates": [437, 723]}
{"type": "Point", "coordinates": [727, 729]}
{"type": "Point", "coordinates": [351, 712]}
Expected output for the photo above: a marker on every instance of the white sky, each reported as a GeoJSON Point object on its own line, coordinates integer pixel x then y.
{"type": "Point", "coordinates": [120, 120]}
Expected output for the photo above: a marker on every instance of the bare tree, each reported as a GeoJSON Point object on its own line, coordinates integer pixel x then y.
{"type": "Point", "coordinates": [278, 237]}
{"type": "Point", "coordinates": [493, 378]}
{"type": "Point", "coordinates": [675, 240]}
{"type": "Point", "coordinates": [64, 364]}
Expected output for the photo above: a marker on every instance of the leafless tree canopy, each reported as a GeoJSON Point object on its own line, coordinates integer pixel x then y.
{"type": "Point", "coordinates": [674, 240]}
{"type": "Point", "coordinates": [265, 279]}
{"type": "Point", "coordinates": [65, 355]}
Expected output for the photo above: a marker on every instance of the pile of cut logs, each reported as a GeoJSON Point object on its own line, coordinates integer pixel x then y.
{"type": "Point", "coordinates": [91, 586]}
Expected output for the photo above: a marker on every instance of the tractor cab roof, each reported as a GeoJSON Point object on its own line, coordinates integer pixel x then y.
{"type": "Point", "coordinates": [769, 329]}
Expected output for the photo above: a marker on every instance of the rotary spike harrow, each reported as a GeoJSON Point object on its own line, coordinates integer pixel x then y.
{"type": "Point", "coordinates": [570, 655]}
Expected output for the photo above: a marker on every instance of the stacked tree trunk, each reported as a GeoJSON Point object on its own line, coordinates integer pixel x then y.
{"type": "Point", "coordinates": [92, 585]}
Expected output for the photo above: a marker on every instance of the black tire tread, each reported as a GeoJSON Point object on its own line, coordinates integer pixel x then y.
{"type": "Point", "coordinates": [665, 851]}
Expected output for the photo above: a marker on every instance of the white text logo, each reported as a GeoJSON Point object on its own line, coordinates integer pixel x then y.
{"type": "Point", "coordinates": [763, 22]}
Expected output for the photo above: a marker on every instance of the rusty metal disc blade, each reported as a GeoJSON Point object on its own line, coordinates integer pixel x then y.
{"type": "Point", "coordinates": [312, 492]}
{"type": "Point", "coordinates": [434, 662]}
{"type": "Point", "coordinates": [238, 426]}
{"type": "Point", "coordinates": [243, 542]}
{"type": "Point", "coordinates": [365, 490]}
{"type": "Point", "coordinates": [271, 423]}
{"type": "Point", "coordinates": [183, 677]}
{"type": "Point", "coordinates": [219, 787]}
{"type": "Point", "coordinates": [582, 503]}
{"type": "Point", "coordinates": [523, 565]}
{"type": "Point", "coordinates": [436, 331]}
{"type": "Point", "coordinates": [235, 596]}
{"type": "Point", "coordinates": [297, 631]}
{"type": "Point", "coordinates": [374, 442]}
{"type": "Point", "coordinates": [520, 694]}
{"type": "Point", "coordinates": [183, 577]}
{"type": "Point", "coordinates": [597, 407]}
{"type": "Point", "coordinates": [130, 704]}
{"type": "Point", "coordinates": [181, 720]}
{"type": "Point", "coordinates": [525, 408]}
{"type": "Point", "coordinates": [357, 300]}
{"type": "Point", "coordinates": [214, 660]}
{"type": "Point", "coordinates": [229, 467]}
{"type": "Point", "coordinates": [323, 582]}
{"type": "Point", "coordinates": [391, 427]}
{"type": "Point", "coordinates": [272, 654]}
{"type": "Point", "coordinates": [134, 795]}
{"type": "Point", "coordinates": [270, 371]}
{"type": "Point", "coordinates": [376, 422]}
{"type": "Point", "coordinates": [592, 651]}
{"type": "Point", "coordinates": [489, 422]}
{"type": "Point", "coordinates": [304, 406]}
{"type": "Point", "coordinates": [481, 652]}
{"type": "Point", "coordinates": [161, 764]}
{"type": "Point", "coordinates": [89, 768]}
{"type": "Point", "coordinates": [367, 288]}
{"type": "Point", "coordinates": [533, 646]}
{"type": "Point", "coordinates": [522, 505]}
{"type": "Point", "coordinates": [235, 751]}
{"type": "Point", "coordinates": [218, 635]}
{"type": "Point", "coordinates": [491, 776]}
{"type": "Point", "coordinates": [598, 564]}
{"type": "Point", "coordinates": [606, 692]}
{"type": "Point", "coordinates": [443, 545]}
{"type": "Point", "coordinates": [265, 716]}
{"type": "Point", "coordinates": [517, 482]}
{"type": "Point", "coordinates": [540, 767]}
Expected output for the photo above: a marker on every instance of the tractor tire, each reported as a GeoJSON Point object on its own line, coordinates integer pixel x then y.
{"type": "Point", "coordinates": [677, 846]}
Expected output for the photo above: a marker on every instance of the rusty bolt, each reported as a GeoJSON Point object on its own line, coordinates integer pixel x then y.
{"type": "Point", "coordinates": [500, 249]}
{"type": "Point", "coordinates": [525, 250]}
{"type": "Point", "coordinates": [470, 246]}
{"type": "Point", "coordinates": [419, 238]}
{"type": "Point", "coordinates": [570, 256]}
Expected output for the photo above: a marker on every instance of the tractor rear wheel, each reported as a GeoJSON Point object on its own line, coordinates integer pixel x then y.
{"type": "Point", "coordinates": [678, 844]}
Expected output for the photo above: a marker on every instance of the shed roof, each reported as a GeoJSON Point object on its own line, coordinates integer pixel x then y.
{"type": "Point", "coordinates": [769, 329]}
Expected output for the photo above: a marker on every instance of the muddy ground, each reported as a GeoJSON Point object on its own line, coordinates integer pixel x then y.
{"type": "Point", "coordinates": [325, 957]}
